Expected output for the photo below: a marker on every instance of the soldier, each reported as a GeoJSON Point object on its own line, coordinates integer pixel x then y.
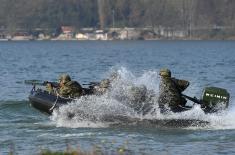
{"type": "Point", "coordinates": [138, 98]}
{"type": "Point", "coordinates": [170, 90]}
{"type": "Point", "coordinates": [49, 88]}
{"type": "Point", "coordinates": [104, 85]}
{"type": "Point", "coordinates": [69, 88]}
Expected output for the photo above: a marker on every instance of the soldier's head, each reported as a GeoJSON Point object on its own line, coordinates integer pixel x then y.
{"type": "Point", "coordinates": [165, 73]}
{"type": "Point", "coordinates": [64, 78]}
{"type": "Point", "coordinates": [105, 83]}
{"type": "Point", "coordinates": [114, 76]}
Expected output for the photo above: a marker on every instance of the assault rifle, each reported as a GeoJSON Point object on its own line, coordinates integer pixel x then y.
{"type": "Point", "coordinates": [193, 99]}
{"type": "Point", "coordinates": [53, 84]}
{"type": "Point", "coordinates": [90, 89]}
{"type": "Point", "coordinates": [41, 83]}
{"type": "Point", "coordinates": [91, 85]}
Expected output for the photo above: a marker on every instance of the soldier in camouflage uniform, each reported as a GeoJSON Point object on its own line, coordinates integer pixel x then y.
{"type": "Point", "coordinates": [49, 88]}
{"type": "Point", "coordinates": [104, 85]}
{"type": "Point", "coordinates": [170, 90]}
{"type": "Point", "coordinates": [69, 88]}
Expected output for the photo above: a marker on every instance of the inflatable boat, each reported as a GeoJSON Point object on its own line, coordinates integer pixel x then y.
{"type": "Point", "coordinates": [46, 102]}
{"type": "Point", "coordinates": [213, 99]}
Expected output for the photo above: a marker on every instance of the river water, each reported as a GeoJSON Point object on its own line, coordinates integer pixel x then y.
{"type": "Point", "coordinates": [25, 130]}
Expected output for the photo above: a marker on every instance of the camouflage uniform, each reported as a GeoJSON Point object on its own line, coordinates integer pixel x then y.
{"type": "Point", "coordinates": [49, 88]}
{"type": "Point", "coordinates": [137, 95]}
{"type": "Point", "coordinates": [102, 87]}
{"type": "Point", "coordinates": [105, 84]}
{"type": "Point", "coordinates": [70, 88]}
{"type": "Point", "coordinates": [139, 99]}
{"type": "Point", "coordinates": [170, 90]}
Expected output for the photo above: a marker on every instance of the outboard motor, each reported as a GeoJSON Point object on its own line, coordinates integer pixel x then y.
{"type": "Point", "coordinates": [215, 99]}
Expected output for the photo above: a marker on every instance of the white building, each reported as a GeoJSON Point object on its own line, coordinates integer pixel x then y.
{"type": "Point", "coordinates": [81, 36]}
{"type": "Point", "coordinates": [101, 35]}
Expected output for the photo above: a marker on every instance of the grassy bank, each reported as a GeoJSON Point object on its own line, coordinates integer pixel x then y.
{"type": "Point", "coordinates": [120, 151]}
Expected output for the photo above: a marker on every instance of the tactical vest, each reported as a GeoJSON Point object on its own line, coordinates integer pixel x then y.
{"type": "Point", "coordinates": [170, 91]}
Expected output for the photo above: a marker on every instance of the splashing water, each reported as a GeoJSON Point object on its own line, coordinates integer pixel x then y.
{"type": "Point", "coordinates": [90, 111]}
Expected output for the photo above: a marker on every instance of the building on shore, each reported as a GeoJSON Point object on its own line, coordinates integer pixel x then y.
{"type": "Point", "coordinates": [42, 36]}
{"type": "Point", "coordinates": [92, 35]}
{"type": "Point", "coordinates": [126, 33]}
{"type": "Point", "coordinates": [22, 36]}
{"type": "Point", "coordinates": [81, 36]}
{"type": "Point", "coordinates": [67, 33]}
{"type": "Point", "coordinates": [101, 35]}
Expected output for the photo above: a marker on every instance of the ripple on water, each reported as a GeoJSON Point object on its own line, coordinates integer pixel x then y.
{"type": "Point", "coordinates": [200, 62]}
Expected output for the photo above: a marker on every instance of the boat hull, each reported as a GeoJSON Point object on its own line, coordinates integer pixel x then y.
{"type": "Point", "coordinates": [46, 102]}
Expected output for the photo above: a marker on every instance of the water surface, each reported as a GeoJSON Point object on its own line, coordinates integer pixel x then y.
{"type": "Point", "coordinates": [27, 131]}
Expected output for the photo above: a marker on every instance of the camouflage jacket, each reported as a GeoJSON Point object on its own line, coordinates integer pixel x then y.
{"type": "Point", "coordinates": [102, 87]}
{"type": "Point", "coordinates": [71, 89]}
{"type": "Point", "coordinates": [170, 91]}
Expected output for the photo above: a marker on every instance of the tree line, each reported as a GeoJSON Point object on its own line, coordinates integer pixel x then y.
{"type": "Point", "coordinates": [50, 14]}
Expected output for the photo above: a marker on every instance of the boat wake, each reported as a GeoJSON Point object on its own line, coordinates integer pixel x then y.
{"type": "Point", "coordinates": [119, 107]}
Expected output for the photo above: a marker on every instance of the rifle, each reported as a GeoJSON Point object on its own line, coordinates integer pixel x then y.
{"type": "Point", "coordinates": [193, 99]}
{"type": "Point", "coordinates": [91, 84]}
{"type": "Point", "coordinates": [41, 83]}
{"type": "Point", "coordinates": [53, 84]}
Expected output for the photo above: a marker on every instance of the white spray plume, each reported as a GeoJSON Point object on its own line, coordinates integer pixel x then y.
{"type": "Point", "coordinates": [89, 111]}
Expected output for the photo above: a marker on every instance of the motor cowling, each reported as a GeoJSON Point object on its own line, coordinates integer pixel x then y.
{"type": "Point", "coordinates": [215, 98]}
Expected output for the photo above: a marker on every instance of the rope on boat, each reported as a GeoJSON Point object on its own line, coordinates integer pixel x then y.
{"type": "Point", "coordinates": [57, 96]}
{"type": "Point", "coordinates": [187, 108]}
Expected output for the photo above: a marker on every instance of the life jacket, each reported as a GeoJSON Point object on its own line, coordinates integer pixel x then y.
{"type": "Point", "coordinates": [71, 89]}
{"type": "Point", "coordinates": [170, 92]}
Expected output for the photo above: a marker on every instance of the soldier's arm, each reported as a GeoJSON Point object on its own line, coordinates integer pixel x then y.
{"type": "Point", "coordinates": [49, 88]}
{"type": "Point", "coordinates": [183, 84]}
{"type": "Point", "coordinates": [64, 91]}
{"type": "Point", "coordinates": [77, 85]}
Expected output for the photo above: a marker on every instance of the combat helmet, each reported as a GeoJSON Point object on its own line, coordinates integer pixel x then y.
{"type": "Point", "coordinates": [105, 83]}
{"type": "Point", "coordinates": [164, 72]}
{"type": "Point", "coordinates": [64, 78]}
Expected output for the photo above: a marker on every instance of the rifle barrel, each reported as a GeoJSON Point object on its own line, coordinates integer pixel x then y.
{"type": "Point", "coordinates": [91, 84]}
{"type": "Point", "coordinates": [53, 84]}
{"type": "Point", "coordinates": [41, 83]}
{"type": "Point", "coordinates": [195, 100]}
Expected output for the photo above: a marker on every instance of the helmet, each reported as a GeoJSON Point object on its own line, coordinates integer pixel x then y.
{"type": "Point", "coordinates": [165, 72]}
{"type": "Point", "coordinates": [105, 83]}
{"type": "Point", "coordinates": [114, 76]}
{"type": "Point", "coordinates": [65, 78]}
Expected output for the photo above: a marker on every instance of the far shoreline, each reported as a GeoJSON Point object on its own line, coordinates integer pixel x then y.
{"type": "Point", "coordinates": [1, 40]}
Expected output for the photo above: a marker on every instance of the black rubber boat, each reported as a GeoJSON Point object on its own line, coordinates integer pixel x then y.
{"type": "Point", "coordinates": [213, 99]}
{"type": "Point", "coordinates": [46, 102]}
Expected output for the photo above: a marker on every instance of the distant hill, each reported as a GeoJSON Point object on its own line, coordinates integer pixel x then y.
{"type": "Point", "coordinates": [176, 14]}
